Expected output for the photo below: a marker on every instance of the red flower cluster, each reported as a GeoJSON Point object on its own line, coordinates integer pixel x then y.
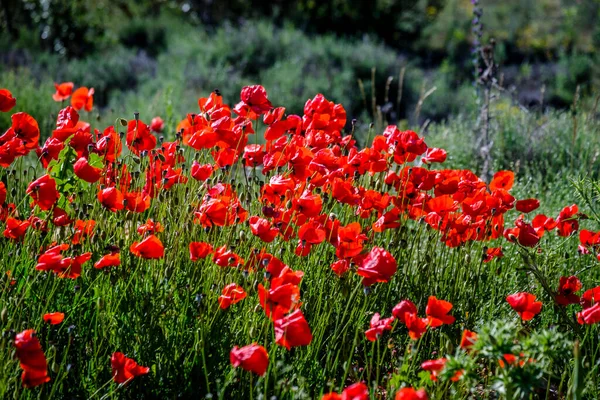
{"type": "Point", "coordinates": [65, 267]}
{"type": "Point", "coordinates": [406, 312]}
{"type": "Point", "coordinates": [307, 161]}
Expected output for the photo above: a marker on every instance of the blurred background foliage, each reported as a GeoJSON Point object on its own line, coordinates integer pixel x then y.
{"type": "Point", "coordinates": [134, 53]}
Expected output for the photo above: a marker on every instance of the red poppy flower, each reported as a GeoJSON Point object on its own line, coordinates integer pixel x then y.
{"type": "Point", "coordinates": [60, 217]}
{"type": "Point", "coordinates": [83, 229]}
{"type": "Point", "coordinates": [83, 98]}
{"type": "Point", "coordinates": [15, 229]}
{"type": "Point", "coordinates": [253, 358]}
{"type": "Point", "coordinates": [256, 98]}
{"type": "Point", "coordinates": [225, 257]}
{"type": "Point", "coordinates": [437, 312]}
{"type": "Point", "coordinates": [201, 172]}
{"type": "Point", "coordinates": [31, 358]}
{"type": "Point", "coordinates": [357, 391]}
{"type": "Point", "coordinates": [51, 259]}
{"type": "Point", "coordinates": [409, 393]}
{"type": "Point", "coordinates": [172, 176]}
{"type": "Point", "coordinates": [253, 155]}
{"type": "Point", "coordinates": [263, 229]}
{"type": "Point", "coordinates": [416, 326]}
{"type": "Point", "coordinates": [349, 240]}
{"type": "Point", "coordinates": [109, 260]}
{"type": "Point", "coordinates": [150, 227]}
{"type": "Point", "coordinates": [136, 201]}
{"type": "Point", "coordinates": [199, 250]}
{"type": "Point", "coordinates": [340, 267]}
{"type": "Point", "coordinates": [54, 318]}
{"type": "Point", "coordinates": [277, 301]}
{"type": "Point", "coordinates": [308, 204]}
{"type": "Point", "coordinates": [567, 222]}
{"type": "Point", "coordinates": [63, 91]}
{"type": "Point", "coordinates": [277, 126]}
{"type": "Point", "coordinates": [111, 198]}
{"type": "Point", "coordinates": [292, 330]}
{"type": "Point", "coordinates": [378, 326]}
{"type": "Point", "coordinates": [85, 171]}
{"type": "Point", "coordinates": [67, 123]}
{"type": "Point", "coordinates": [157, 125]}
{"type": "Point", "coordinates": [434, 155]}
{"type": "Point", "coordinates": [502, 180]}
{"type": "Point", "coordinates": [231, 294]}
{"type": "Point", "coordinates": [492, 253]}
{"type": "Point", "coordinates": [523, 233]}
{"type": "Point", "coordinates": [225, 157]}
{"type": "Point", "coordinates": [24, 128]}
{"type": "Point", "coordinates": [590, 315]}
{"type": "Point", "coordinates": [566, 290]}
{"type": "Point", "coordinates": [7, 101]}
{"type": "Point", "coordinates": [312, 232]}
{"type": "Point", "coordinates": [150, 248]}
{"type": "Point", "coordinates": [525, 305]}
{"type": "Point", "coordinates": [43, 192]}
{"type": "Point", "coordinates": [220, 212]}
{"type": "Point", "coordinates": [405, 306]}
{"type": "Point", "coordinates": [124, 369]}
{"type": "Point", "coordinates": [38, 224]}
{"type": "Point", "coordinates": [377, 266]}
{"type": "Point", "coordinates": [109, 144]}
{"type": "Point", "coordinates": [139, 138]}
{"type": "Point", "coordinates": [590, 297]}
{"type": "Point", "coordinates": [527, 205]}
{"type": "Point", "coordinates": [468, 339]}
{"type": "Point", "coordinates": [285, 276]}
{"type": "Point", "coordinates": [50, 151]}
{"type": "Point", "coordinates": [542, 224]}
{"type": "Point", "coordinates": [70, 267]}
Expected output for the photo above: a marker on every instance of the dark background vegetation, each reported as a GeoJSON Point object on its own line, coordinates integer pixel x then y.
{"type": "Point", "coordinates": [150, 48]}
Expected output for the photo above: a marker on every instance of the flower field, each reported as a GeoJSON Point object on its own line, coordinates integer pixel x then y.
{"type": "Point", "coordinates": [243, 252]}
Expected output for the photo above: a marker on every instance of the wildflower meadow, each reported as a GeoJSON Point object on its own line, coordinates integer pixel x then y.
{"type": "Point", "coordinates": [241, 251]}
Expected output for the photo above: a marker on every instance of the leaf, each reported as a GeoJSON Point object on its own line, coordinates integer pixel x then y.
{"type": "Point", "coordinates": [95, 160]}
{"type": "Point", "coordinates": [61, 170]}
